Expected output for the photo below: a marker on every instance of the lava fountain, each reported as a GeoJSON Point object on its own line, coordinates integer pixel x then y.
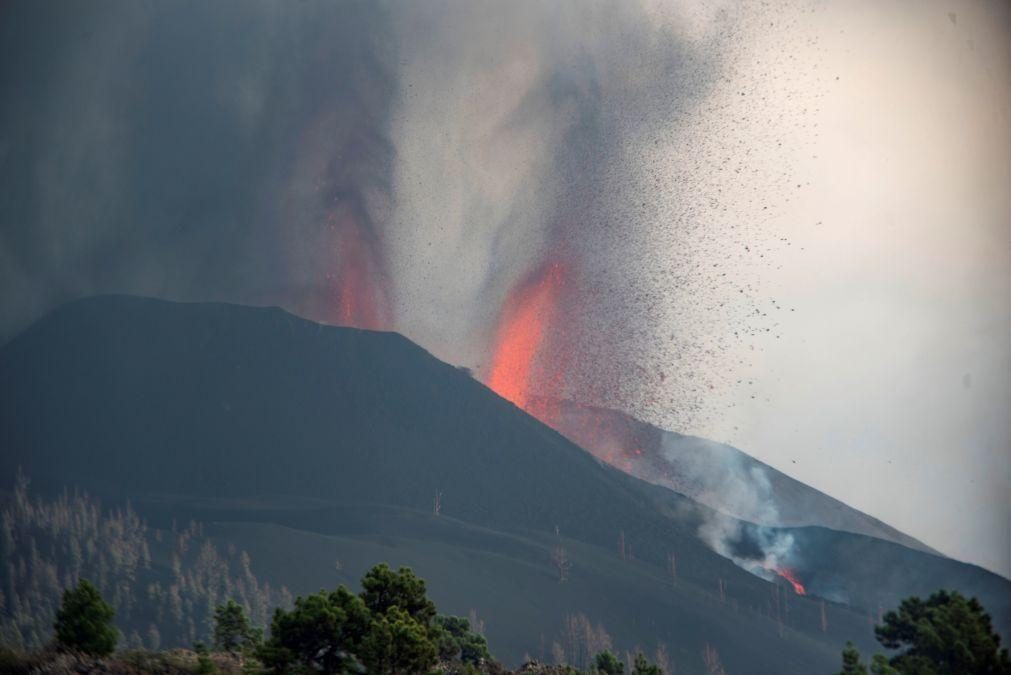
{"type": "Point", "coordinates": [524, 327]}
{"type": "Point", "coordinates": [361, 301]}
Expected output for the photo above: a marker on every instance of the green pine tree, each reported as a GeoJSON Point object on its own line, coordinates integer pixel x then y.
{"type": "Point", "coordinates": [232, 629]}
{"type": "Point", "coordinates": [205, 665]}
{"type": "Point", "coordinates": [322, 633]}
{"type": "Point", "coordinates": [946, 634]}
{"type": "Point", "coordinates": [397, 645]}
{"type": "Point", "coordinates": [643, 667]}
{"type": "Point", "coordinates": [456, 640]}
{"type": "Point", "coordinates": [880, 666]}
{"type": "Point", "coordinates": [84, 621]}
{"type": "Point", "coordinates": [607, 663]}
{"type": "Point", "coordinates": [851, 661]}
{"type": "Point", "coordinates": [382, 589]}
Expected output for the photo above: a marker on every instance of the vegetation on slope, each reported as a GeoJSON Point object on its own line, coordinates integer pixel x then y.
{"type": "Point", "coordinates": [162, 585]}
{"type": "Point", "coordinates": [390, 628]}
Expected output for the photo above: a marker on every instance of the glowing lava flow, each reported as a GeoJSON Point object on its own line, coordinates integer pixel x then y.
{"type": "Point", "coordinates": [789, 575]}
{"type": "Point", "coordinates": [524, 325]}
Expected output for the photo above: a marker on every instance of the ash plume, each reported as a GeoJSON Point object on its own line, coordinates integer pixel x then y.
{"type": "Point", "coordinates": [194, 152]}
{"type": "Point", "coordinates": [394, 166]}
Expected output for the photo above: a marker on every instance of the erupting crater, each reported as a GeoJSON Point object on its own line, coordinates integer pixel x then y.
{"type": "Point", "coordinates": [524, 326]}
{"type": "Point", "coordinates": [361, 300]}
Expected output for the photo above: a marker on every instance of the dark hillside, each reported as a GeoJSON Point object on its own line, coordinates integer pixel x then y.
{"type": "Point", "coordinates": [307, 444]}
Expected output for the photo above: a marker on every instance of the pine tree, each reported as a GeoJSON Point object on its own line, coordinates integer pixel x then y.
{"type": "Point", "coordinates": [880, 666]}
{"type": "Point", "coordinates": [84, 622]}
{"type": "Point", "coordinates": [382, 589]}
{"type": "Point", "coordinates": [946, 634]}
{"type": "Point", "coordinates": [321, 633]}
{"type": "Point", "coordinates": [851, 661]}
{"type": "Point", "coordinates": [232, 629]}
{"type": "Point", "coordinates": [607, 663]}
{"type": "Point", "coordinates": [643, 667]}
{"type": "Point", "coordinates": [456, 641]}
{"type": "Point", "coordinates": [397, 644]}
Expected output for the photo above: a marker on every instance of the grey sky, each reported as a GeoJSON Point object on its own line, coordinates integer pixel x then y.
{"type": "Point", "coordinates": [891, 384]}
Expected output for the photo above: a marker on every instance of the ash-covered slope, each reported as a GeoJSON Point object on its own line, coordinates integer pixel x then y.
{"type": "Point", "coordinates": [717, 475]}
{"type": "Point", "coordinates": [308, 445]}
{"type": "Point", "coordinates": [127, 395]}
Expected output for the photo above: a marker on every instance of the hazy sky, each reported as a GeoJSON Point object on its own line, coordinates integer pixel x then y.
{"type": "Point", "coordinates": [890, 387]}
{"type": "Point", "coordinates": [787, 225]}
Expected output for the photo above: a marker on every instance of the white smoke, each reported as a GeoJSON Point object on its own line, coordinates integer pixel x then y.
{"type": "Point", "coordinates": [760, 550]}
{"type": "Point", "coordinates": [742, 523]}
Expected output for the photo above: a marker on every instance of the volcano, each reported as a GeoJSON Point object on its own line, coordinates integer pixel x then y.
{"type": "Point", "coordinates": [304, 443]}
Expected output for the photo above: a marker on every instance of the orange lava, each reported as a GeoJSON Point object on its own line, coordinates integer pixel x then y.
{"type": "Point", "coordinates": [361, 302]}
{"type": "Point", "coordinates": [523, 328]}
{"type": "Point", "coordinates": [789, 575]}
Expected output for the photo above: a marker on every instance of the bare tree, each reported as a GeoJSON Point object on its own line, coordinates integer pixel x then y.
{"type": "Point", "coordinates": [584, 640]}
{"type": "Point", "coordinates": [47, 545]}
{"type": "Point", "coordinates": [711, 658]}
{"type": "Point", "coordinates": [575, 639]}
{"type": "Point", "coordinates": [557, 653]}
{"type": "Point", "coordinates": [560, 559]}
{"type": "Point", "coordinates": [476, 624]}
{"type": "Point", "coordinates": [662, 659]}
{"type": "Point", "coordinates": [779, 611]}
{"type": "Point", "coordinates": [597, 639]}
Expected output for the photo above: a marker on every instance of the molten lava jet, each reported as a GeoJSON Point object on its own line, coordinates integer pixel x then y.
{"type": "Point", "coordinates": [361, 301]}
{"type": "Point", "coordinates": [790, 576]}
{"type": "Point", "coordinates": [524, 326]}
